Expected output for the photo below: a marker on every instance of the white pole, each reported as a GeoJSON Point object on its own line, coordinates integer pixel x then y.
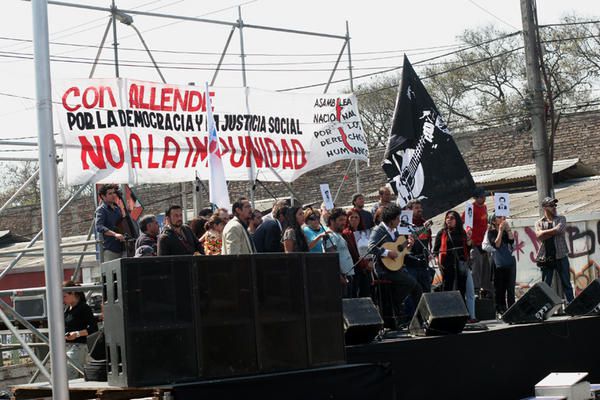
{"type": "Point", "coordinates": [48, 182]}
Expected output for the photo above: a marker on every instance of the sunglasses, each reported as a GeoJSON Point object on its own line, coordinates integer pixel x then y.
{"type": "Point", "coordinates": [311, 218]}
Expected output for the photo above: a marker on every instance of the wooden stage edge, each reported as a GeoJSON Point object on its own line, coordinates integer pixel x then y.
{"type": "Point", "coordinates": [80, 390]}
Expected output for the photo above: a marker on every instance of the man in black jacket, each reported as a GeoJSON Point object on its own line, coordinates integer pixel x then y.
{"type": "Point", "coordinates": [177, 238]}
{"type": "Point", "coordinates": [402, 283]}
{"type": "Point", "coordinates": [150, 230]}
{"type": "Point", "coordinates": [267, 237]}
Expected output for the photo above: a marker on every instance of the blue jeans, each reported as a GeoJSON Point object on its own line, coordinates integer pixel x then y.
{"type": "Point", "coordinates": [562, 269]}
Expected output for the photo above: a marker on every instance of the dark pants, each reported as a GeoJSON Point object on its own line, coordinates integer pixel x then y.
{"type": "Point", "coordinates": [422, 275]}
{"type": "Point", "coordinates": [402, 286]}
{"type": "Point", "coordinates": [349, 289]}
{"type": "Point", "coordinates": [453, 279]}
{"type": "Point", "coordinates": [362, 283]}
{"type": "Point", "coordinates": [562, 269]}
{"type": "Point", "coordinates": [504, 285]}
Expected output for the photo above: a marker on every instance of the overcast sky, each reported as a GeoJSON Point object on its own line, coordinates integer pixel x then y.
{"type": "Point", "coordinates": [380, 30]}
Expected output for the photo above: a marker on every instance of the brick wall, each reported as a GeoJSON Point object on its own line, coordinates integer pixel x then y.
{"type": "Point", "coordinates": [578, 136]}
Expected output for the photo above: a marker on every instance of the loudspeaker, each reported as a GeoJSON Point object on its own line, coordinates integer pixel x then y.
{"type": "Point", "coordinates": [180, 319]}
{"type": "Point", "coordinates": [362, 321]}
{"type": "Point", "coordinates": [149, 321]}
{"type": "Point", "coordinates": [439, 314]}
{"type": "Point", "coordinates": [536, 305]}
{"type": "Point", "coordinates": [587, 302]}
{"type": "Point", "coordinates": [225, 304]}
{"type": "Point", "coordinates": [324, 309]}
{"type": "Point", "coordinates": [280, 312]}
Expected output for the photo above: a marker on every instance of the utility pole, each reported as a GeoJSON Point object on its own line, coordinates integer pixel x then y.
{"type": "Point", "coordinates": [47, 152]}
{"type": "Point", "coordinates": [535, 103]}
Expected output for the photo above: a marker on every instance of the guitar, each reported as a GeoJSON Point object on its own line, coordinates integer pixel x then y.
{"type": "Point", "coordinates": [410, 180]}
{"type": "Point", "coordinates": [401, 247]}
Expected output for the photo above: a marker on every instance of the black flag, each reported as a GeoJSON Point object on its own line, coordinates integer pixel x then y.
{"type": "Point", "coordinates": [422, 160]}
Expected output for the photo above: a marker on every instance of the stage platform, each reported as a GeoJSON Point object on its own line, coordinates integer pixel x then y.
{"type": "Point", "coordinates": [348, 382]}
{"type": "Point", "coordinates": [504, 362]}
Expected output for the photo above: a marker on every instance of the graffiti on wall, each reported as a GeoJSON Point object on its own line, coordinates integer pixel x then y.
{"type": "Point", "coordinates": [583, 242]}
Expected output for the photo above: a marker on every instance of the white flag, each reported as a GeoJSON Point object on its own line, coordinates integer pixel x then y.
{"type": "Point", "coordinates": [217, 186]}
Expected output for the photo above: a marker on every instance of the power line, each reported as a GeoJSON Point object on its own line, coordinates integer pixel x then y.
{"type": "Point", "coordinates": [492, 14]}
{"type": "Point", "coordinates": [416, 50]}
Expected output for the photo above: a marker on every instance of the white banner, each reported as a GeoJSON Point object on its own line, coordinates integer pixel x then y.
{"type": "Point", "coordinates": [127, 131]}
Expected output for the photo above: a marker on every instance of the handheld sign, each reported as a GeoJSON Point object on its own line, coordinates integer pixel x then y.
{"type": "Point", "coordinates": [406, 218]}
{"type": "Point", "coordinates": [469, 215]}
{"type": "Point", "coordinates": [502, 204]}
{"type": "Point", "coordinates": [326, 193]}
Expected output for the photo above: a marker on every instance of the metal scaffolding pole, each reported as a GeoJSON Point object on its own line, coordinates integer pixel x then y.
{"type": "Point", "coordinates": [50, 223]}
{"type": "Point", "coordinates": [104, 36]}
{"type": "Point", "coordinates": [36, 360]}
{"type": "Point", "coordinates": [357, 168]}
{"type": "Point", "coordinates": [337, 62]}
{"type": "Point", "coordinates": [214, 78]}
{"type": "Point", "coordinates": [251, 176]}
{"type": "Point", "coordinates": [113, 11]}
{"type": "Point", "coordinates": [19, 190]}
{"type": "Point", "coordinates": [39, 234]}
{"type": "Point", "coordinates": [197, 19]}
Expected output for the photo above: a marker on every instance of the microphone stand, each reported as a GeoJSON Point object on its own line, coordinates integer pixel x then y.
{"type": "Point", "coordinates": [412, 229]}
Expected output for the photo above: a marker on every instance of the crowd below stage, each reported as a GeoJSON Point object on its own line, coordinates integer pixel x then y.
{"type": "Point", "coordinates": [477, 260]}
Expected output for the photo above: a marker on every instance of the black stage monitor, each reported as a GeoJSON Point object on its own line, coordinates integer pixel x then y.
{"type": "Point", "coordinates": [588, 302]}
{"type": "Point", "coordinates": [536, 305]}
{"type": "Point", "coordinates": [439, 314]}
{"type": "Point", "coordinates": [362, 321]}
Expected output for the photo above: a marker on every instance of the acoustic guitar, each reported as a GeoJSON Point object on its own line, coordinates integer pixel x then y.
{"type": "Point", "coordinates": [401, 247]}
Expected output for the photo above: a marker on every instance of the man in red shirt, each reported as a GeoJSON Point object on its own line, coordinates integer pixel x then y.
{"type": "Point", "coordinates": [482, 272]}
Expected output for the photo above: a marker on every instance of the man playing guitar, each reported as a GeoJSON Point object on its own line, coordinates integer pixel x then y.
{"type": "Point", "coordinates": [402, 283]}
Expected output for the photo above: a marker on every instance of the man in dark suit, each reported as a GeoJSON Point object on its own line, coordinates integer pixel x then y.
{"type": "Point", "coordinates": [177, 238]}
{"type": "Point", "coordinates": [403, 284]}
{"type": "Point", "coordinates": [267, 237]}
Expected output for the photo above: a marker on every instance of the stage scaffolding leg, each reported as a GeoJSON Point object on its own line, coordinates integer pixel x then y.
{"type": "Point", "coordinates": [214, 78]}
{"type": "Point", "coordinates": [357, 169]}
{"type": "Point", "coordinates": [100, 48]}
{"type": "Point", "coordinates": [50, 223]}
{"type": "Point", "coordinates": [77, 271]}
{"type": "Point", "coordinates": [4, 306]}
{"type": "Point", "coordinates": [28, 349]}
{"type": "Point", "coordinates": [335, 66]}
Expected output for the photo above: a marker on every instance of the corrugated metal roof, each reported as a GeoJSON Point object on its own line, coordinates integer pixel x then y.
{"type": "Point", "coordinates": [519, 172]}
{"type": "Point", "coordinates": [576, 197]}
{"type": "Point", "coordinates": [36, 263]}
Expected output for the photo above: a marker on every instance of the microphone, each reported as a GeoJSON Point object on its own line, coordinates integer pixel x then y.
{"type": "Point", "coordinates": [406, 223]}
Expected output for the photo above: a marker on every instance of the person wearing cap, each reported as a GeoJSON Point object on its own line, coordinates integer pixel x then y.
{"type": "Point", "coordinates": [481, 269]}
{"type": "Point", "coordinates": [550, 232]}
{"type": "Point", "coordinates": [358, 201]}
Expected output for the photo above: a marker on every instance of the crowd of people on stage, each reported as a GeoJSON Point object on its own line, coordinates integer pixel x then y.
{"type": "Point", "coordinates": [475, 260]}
